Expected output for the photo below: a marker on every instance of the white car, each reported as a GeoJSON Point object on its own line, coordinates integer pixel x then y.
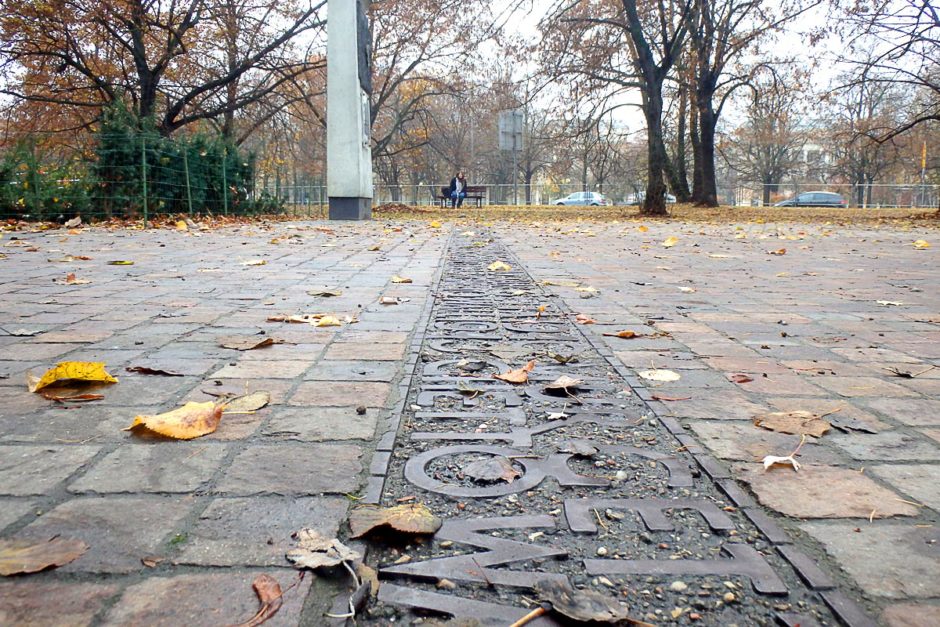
{"type": "Point", "coordinates": [594, 199]}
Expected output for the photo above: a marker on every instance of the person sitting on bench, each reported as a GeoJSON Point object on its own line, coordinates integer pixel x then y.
{"type": "Point", "coordinates": [458, 190]}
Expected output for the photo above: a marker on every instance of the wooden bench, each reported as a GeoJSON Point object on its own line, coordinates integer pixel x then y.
{"type": "Point", "coordinates": [474, 192]}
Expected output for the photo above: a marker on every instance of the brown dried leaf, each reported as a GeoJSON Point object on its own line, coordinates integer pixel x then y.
{"type": "Point", "coordinates": [247, 403]}
{"type": "Point", "coordinates": [269, 593]}
{"type": "Point", "coordinates": [739, 378]}
{"type": "Point", "coordinates": [493, 468]}
{"type": "Point", "coordinates": [247, 343]}
{"type": "Point", "coordinates": [74, 398]}
{"type": "Point", "coordinates": [626, 335]}
{"type": "Point", "coordinates": [370, 575]}
{"type": "Point", "coordinates": [148, 370]}
{"type": "Point", "coordinates": [794, 422]}
{"type": "Point", "coordinates": [315, 550]}
{"type": "Point", "coordinates": [583, 605]}
{"type": "Point", "coordinates": [325, 293]}
{"type": "Point", "coordinates": [584, 319]}
{"type": "Point", "coordinates": [520, 375]}
{"type": "Point", "coordinates": [413, 518]}
{"type": "Point", "coordinates": [26, 556]}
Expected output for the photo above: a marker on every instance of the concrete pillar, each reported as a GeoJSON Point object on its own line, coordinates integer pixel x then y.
{"type": "Point", "coordinates": [348, 85]}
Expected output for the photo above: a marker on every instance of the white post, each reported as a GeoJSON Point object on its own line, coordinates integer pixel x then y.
{"type": "Point", "coordinates": [348, 148]}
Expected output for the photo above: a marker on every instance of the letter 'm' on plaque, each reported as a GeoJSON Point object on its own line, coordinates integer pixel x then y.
{"type": "Point", "coordinates": [348, 82]}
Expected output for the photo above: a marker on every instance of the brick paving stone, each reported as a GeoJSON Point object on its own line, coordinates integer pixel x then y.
{"type": "Point", "coordinates": [757, 364]}
{"type": "Point", "coordinates": [340, 394]}
{"type": "Point", "coordinates": [365, 351]}
{"type": "Point", "coordinates": [52, 603]}
{"type": "Point", "coordinates": [210, 389]}
{"type": "Point", "coordinates": [812, 492]}
{"type": "Point", "coordinates": [153, 466]}
{"type": "Point", "coordinates": [863, 386]}
{"type": "Point", "coordinates": [919, 481]}
{"type": "Point", "coordinates": [293, 469]}
{"type": "Point", "coordinates": [13, 509]}
{"type": "Point", "coordinates": [742, 441]}
{"type": "Point", "coordinates": [643, 359]}
{"type": "Point", "coordinates": [911, 615]}
{"type": "Point", "coordinates": [319, 424]}
{"type": "Point", "coordinates": [887, 446]}
{"type": "Point", "coordinates": [119, 530]}
{"type": "Point", "coordinates": [278, 352]}
{"type": "Point", "coordinates": [702, 404]}
{"type": "Point", "coordinates": [781, 384]}
{"type": "Point", "coordinates": [932, 433]}
{"type": "Point", "coordinates": [134, 389]}
{"type": "Point", "coordinates": [71, 424]}
{"type": "Point", "coordinates": [209, 598]}
{"type": "Point", "coordinates": [34, 470]}
{"type": "Point", "coordinates": [35, 351]}
{"type": "Point", "coordinates": [379, 371]}
{"type": "Point", "coordinates": [257, 531]}
{"type": "Point", "coordinates": [836, 411]}
{"type": "Point", "coordinates": [73, 337]}
{"type": "Point", "coordinates": [262, 369]}
{"type": "Point", "coordinates": [885, 559]}
{"type": "Point", "coordinates": [918, 412]}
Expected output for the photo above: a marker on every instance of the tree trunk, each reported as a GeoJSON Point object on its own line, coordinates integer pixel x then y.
{"type": "Point", "coordinates": [655, 202]}
{"type": "Point", "coordinates": [679, 176]}
{"type": "Point", "coordinates": [696, 138]}
{"type": "Point", "coordinates": [705, 159]}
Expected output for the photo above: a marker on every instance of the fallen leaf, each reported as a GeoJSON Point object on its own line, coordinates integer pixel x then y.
{"type": "Point", "coordinates": [247, 403]}
{"type": "Point", "coordinates": [295, 318]}
{"type": "Point", "coordinates": [181, 225]}
{"type": "Point", "coordinates": [773, 460]}
{"type": "Point", "coordinates": [327, 293]}
{"type": "Point", "coordinates": [400, 279]}
{"type": "Point", "coordinates": [152, 561]}
{"type": "Point", "coordinates": [890, 303]}
{"type": "Point", "coordinates": [120, 262]}
{"type": "Point", "coordinates": [374, 247]}
{"type": "Point", "coordinates": [563, 383]}
{"type": "Point", "coordinates": [921, 244]}
{"type": "Point", "coordinates": [389, 300]}
{"type": "Point", "coordinates": [328, 321]}
{"type": "Point", "coordinates": [627, 335]}
{"type": "Point", "coordinates": [520, 375]}
{"type": "Point", "coordinates": [70, 279]}
{"type": "Point", "coordinates": [493, 468]}
{"type": "Point", "coordinates": [642, 228]}
{"type": "Point", "coordinates": [434, 224]}
{"type": "Point", "coordinates": [793, 422]}
{"type": "Point", "coordinates": [670, 241]}
{"type": "Point", "coordinates": [739, 378]}
{"type": "Point", "coordinates": [146, 370]}
{"type": "Point", "coordinates": [583, 605]}
{"type": "Point", "coordinates": [192, 420]}
{"type": "Point", "coordinates": [269, 594]}
{"type": "Point", "coordinates": [25, 556]}
{"type": "Point", "coordinates": [247, 343]}
{"type": "Point", "coordinates": [657, 397]}
{"type": "Point", "coordinates": [686, 290]}
{"type": "Point", "coordinates": [74, 398]}
{"type": "Point", "coordinates": [499, 266]}
{"type": "Point", "coordinates": [368, 574]}
{"type": "Point", "coordinates": [584, 319]}
{"type": "Point", "coordinates": [73, 223]}
{"type": "Point", "coordinates": [254, 262]}
{"type": "Point", "coordinates": [70, 372]}
{"type": "Point", "coordinates": [561, 283]}
{"type": "Point", "coordinates": [413, 518]}
{"type": "Point", "coordinates": [780, 251]}
{"type": "Point", "coordinates": [589, 289]}
{"type": "Point", "coordinates": [664, 376]}
{"type": "Point", "coordinates": [315, 550]}
{"type": "Point", "coordinates": [564, 359]}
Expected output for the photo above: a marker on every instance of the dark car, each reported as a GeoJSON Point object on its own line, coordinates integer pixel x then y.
{"type": "Point", "coordinates": [814, 199]}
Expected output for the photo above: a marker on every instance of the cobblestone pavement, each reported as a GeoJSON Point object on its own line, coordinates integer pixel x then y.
{"type": "Point", "coordinates": [178, 530]}
{"type": "Point", "coordinates": [207, 515]}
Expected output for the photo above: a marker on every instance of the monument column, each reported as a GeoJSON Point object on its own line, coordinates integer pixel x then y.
{"type": "Point", "coordinates": [348, 132]}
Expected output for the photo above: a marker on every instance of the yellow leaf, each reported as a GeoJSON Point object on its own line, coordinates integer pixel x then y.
{"type": "Point", "coordinates": [520, 375]}
{"type": "Point", "coordinates": [375, 247]}
{"type": "Point", "coordinates": [254, 262]}
{"type": "Point", "coordinates": [183, 423]}
{"type": "Point", "coordinates": [329, 321]}
{"type": "Point", "coordinates": [181, 225]}
{"type": "Point", "coordinates": [498, 266]}
{"type": "Point", "coordinates": [642, 228]}
{"type": "Point", "coordinates": [921, 244]}
{"type": "Point", "coordinates": [670, 241]}
{"type": "Point", "coordinates": [410, 518]}
{"type": "Point", "coordinates": [435, 224]}
{"type": "Point", "coordinates": [120, 262]}
{"type": "Point", "coordinates": [400, 279]}
{"type": "Point", "coordinates": [72, 371]}
{"type": "Point", "coordinates": [780, 251]}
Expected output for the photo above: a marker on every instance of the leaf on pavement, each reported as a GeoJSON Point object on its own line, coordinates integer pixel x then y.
{"type": "Point", "coordinates": [520, 375]}
{"type": "Point", "coordinates": [247, 403]}
{"type": "Point", "coordinates": [663, 376]}
{"type": "Point", "coordinates": [328, 321]}
{"type": "Point", "coordinates": [120, 262]}
{"type": "Point", "coordinates": [413, 518]}
{"type": "Point", "coordinates": [324, 293]}
{"type": "Point", "coordinates": [181, 225]}
{"type": "Point", "coordinates": [584, 319]}
{"type": "Point", "coordinates": [499, 266]}
{"type": "Point", "coordinates": [73, 398]}
{"type": "Point", "coordinates": [269, 594]}
{"type": "Point", "coordinates": [494, 468]}
{"type": "Point", "coordinates": [773, 460]}
{"type": "Point", "coordinates": [71, 279]}
{"type": "Point", "coordinates": [561, 283]}
{"type": "Point", "coordinates": [192, 420]}
{"type": "Point", "coordinates": [247, 343]}
{"type": "Point", "coordinates": [70, 372]}
{"type": "Point", "coordinates": [26, 556]}
{"type": "Point", "coordinates": [739, 377]}
{"type": "Point", "coordinates": [793, 422]}
{"type": "Point", "coordinates": [73, 223]}
{"type": "Point", "coordinates": [148, 370]}
{"type": "Point", "coordinates": [921, 244]}
{"type": "Point", "coordinates": [254, 262]}
{"type": "Point", "coordinates": [315, 550]}
{"type": "Point", "coordinates": [400, 279]}
{"type": "Point", "coordinates": [670, 241]}
{"type": "Point", "coordinates": [434, 224]}
{"type": "Point", "coordinates": [626, 335]}
{"type": "Point", "coordinates": [779, 251]}
{"type": "Point", "coordinates": [583, 605]}
{"type": "Point", "coordinates": [564, 382]}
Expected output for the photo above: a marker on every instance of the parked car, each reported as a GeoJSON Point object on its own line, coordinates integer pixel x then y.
{"type": "Point", "coordinates": [813, 199]}
{"type": "Point", "coordinates": [637, 199]}
{"type": "Point", "coordinates": [594, 199]}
